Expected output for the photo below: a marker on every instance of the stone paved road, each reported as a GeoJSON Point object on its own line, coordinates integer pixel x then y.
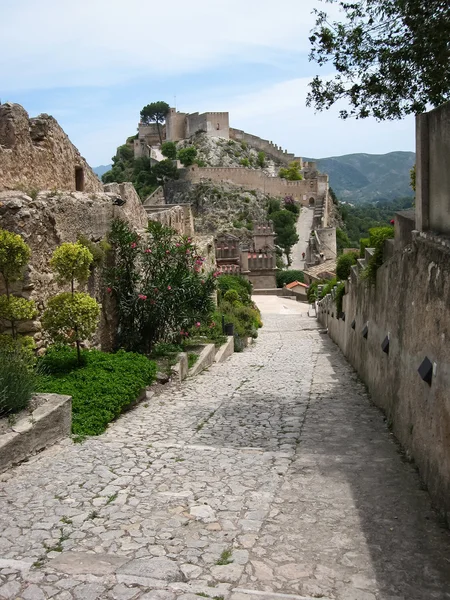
{"type": "Point", "coordinates": [303, 227]}
{"type": "Point", "coordinates": [268, 477]}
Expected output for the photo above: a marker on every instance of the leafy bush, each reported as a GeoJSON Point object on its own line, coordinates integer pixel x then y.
{"type": "Point", "coordinates": [363, 244]}
{"type": "Point", "coordinates": [288, 276]}
{"type": "Point", "coordinates": [235, 282]}
{"type": "Point", "coordinates": [245, 162]}
{"type": "Point", "coordinates": [23, 343]}
{"type": "Point", "coordinates": [286, 234]}
{"type": "Point", "coordinates": [344, 265]}
{"type": "Point", "coordinates": [261, 160]}
{"type": "Point", "coordinates": [98, 250]}
{"type": "Point", "coordinates": [71, 318]}
{"type": "Point", "coordinates": [71, 262]}
{"type": "Point", "coordinates": [274, 205]}
{"type": "Point", "coordinates": [169, 150]}
{"type": "Point", "coordinates": [17, 379]}
{"type": "Point", "coordinates": [377, 237]}
{"type": "Point", "coordinates": [328, 286]}
{"type": "Point", "coordinates": [231, 296]}
{"type": "Point", "coordinates": [101, 389]}
{"type": "Point", "coordinates": [159, 285]}
{"type": "Point", "coordinates": [292, 173]}
{"type": "Point", "coordinates": [187, 155]}
{"type": "Point", "coordinates": [164, 349]}
{"type": "Point", "coordinates": [312, 293]}
{"type": "Point", "coordinates": [192, 359]}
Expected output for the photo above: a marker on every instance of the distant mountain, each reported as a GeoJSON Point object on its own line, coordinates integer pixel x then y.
{"type": "Point", "coordinates": [357, 178]}
{"type": "Point", "coordinates": [101, 169]}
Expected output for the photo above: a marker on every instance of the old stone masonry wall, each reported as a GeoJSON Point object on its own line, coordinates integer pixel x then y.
{"type": "Point", "coordinates": [36, 154]}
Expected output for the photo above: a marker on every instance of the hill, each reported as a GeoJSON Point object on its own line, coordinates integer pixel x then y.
{"type": "Point", "coordinates": [357, 178]}
{"type": "Point", "coordinates": [101, 169]}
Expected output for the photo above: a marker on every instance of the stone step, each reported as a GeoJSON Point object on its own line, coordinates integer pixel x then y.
{"type": "Point", "coordinates": [368, 253]}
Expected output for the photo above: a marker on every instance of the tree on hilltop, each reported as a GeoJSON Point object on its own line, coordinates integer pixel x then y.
{"type": "Point", "coordinates": [155, 112]}
{"type": "Point", "coordinates": [392, 57]}
{"type": "Point", "coordinates": [169, 150]}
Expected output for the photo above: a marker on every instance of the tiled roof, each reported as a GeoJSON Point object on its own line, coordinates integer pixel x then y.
{"type": "Point", "coordinates": [323, 270]}
{"type": "Point", "coordinates": [294, 284]}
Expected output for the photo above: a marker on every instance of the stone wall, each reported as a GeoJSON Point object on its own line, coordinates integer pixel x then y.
{"type": "Point", "coordinates": [51, 218]}
{"type": "Point", "coordinates": [410, 305]}
{"type": "Point", "coordinates": [179, 217]}
{"type": "Point", "coordinates": [303, 191]}
{"type": "Point", "coordinates": [36, 154]}
{"type": "Point", "coordinates": [432, 170]}
{"type": "Point", "coordinates": [269, 148]}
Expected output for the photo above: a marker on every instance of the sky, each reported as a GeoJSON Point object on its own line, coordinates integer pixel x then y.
{"type": "Point", "coordinates": [93, 64]}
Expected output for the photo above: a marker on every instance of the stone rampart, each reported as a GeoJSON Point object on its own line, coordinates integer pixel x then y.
{"type": "Point", "coordinates": [408, 309]}
{"type": "Point", "coordinates": [306, 191]}
{"type": "Point", "coordinates": [36, 154]}
{"type": "Point", "coordinates": [269, 148]}
{"type": "Point", "coordinates": [178, 217]}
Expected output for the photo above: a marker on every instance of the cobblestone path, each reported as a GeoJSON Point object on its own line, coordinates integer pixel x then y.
{"type": "Point", "coordinates": [270, 476]}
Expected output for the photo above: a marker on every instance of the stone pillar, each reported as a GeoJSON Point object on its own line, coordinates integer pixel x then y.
{"type": "Point", "coordinates": [422, 173]}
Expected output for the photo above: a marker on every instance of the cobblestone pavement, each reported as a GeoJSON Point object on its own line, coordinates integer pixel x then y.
{"type": "Point", "coordinates": [269, 476]}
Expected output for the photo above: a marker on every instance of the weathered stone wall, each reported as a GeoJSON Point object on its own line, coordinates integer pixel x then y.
{"type": "Point", "coordinates": [303, 191]}
{"type": "Point", "coordinates": [411, 304]}
{"type": "Point", "coordinates": [36, 154]}
{"type": "Point", "coordinates": [432, 170]}
{"type": "Point", "coordinates": [52, 218]}
{"type": "Point", "coordinates": [178, 217]}
{"type": "Point", "coordinates": [265, 146]}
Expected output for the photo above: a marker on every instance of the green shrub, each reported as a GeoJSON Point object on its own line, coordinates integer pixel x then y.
{"type": "Point", "coordinates": [161, 349]}
{"type": "Point", "coordinates": [245, 162]}
{"type": "Point", "coordinates": [273, 206]}
{"type": "Point", "coordinates": [344, 265]}
{"type": "Point", "coordinates": [328, 286]}
{"type": "Point", "coordinates": [17, 379]}
{"type": "Point", "coordinates": [261, 160]}
{"type": "Point", "coordinates": [98, 250]}
{"type": "Point", "coordinates": [312, 293]}
{"type": "Point", "coordinates": [363, 244]}
{"type": "Point", "coordinates": [71, 318]}
{"type": "Point", "coordinates": [231, 296]}
{"type": "Point", "coordinates": [101, 389]}
{"type": "Point", "coordinates": [235, 282]}
{"type": "Point", "coordinates": [288, 276]}
{"type": "Point", "coordinates": [169, 150]}
{"type": "Point", "coordinates": [71, 262]}
{"type": "Point", "coordinates": [23, 343]}
{"type": "Point", "coordinates": [340, 291]}
{"type": "Point", "coordinates": [244, 145]}
{"type": "Point", "coordinates": [187, 155]}
{"type": "Point", "coordinates": [192, 359]}
{"type": "Point", "coordinates": [377, 237]}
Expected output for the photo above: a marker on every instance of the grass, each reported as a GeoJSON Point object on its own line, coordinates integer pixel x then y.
{"type": "Point", "coordinates": [192, 359]}
{"type": "Point", "coordinates": [111, 498]}
{"type": "Point", "coordinates": [225, 557]}
{"type": "Point", "coordinates": [101, 388]}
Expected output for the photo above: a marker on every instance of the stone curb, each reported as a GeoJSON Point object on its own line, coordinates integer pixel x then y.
{"type": "Point", "coordinates": [205, 360]}
{"type": "Point", "coordinates": [46, 425]}
{"type": "Point", "coordinates": [225, 350]}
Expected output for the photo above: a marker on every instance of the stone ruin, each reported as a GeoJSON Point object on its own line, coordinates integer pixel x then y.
{"type": "Point", "coordinates": [50, 195]}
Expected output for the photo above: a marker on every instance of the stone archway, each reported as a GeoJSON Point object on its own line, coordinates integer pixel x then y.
{"type": "Point", "coordinates": [312, 201]}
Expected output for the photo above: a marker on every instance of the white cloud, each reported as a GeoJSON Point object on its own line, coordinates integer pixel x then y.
{"type": "Point", "coordinates": [50, 43]}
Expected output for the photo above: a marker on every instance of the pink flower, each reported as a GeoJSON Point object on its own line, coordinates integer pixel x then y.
{"type": "Point", "coordinates": [169, 287]}
{"type": "Point", "coordinates": [148, 251]}
{"type": "Point", "coordinates": [212, 325]}
{"type": "Point", "coordinates": [142, 297]}
{"type": "Point", "coordinates": [133, 245]}
{"type": "Point", "coordinates": [109, 290]}
{"type": "Point", "coordinates": [167, 251]}
{"type": "Point", "coordinates": [177, 245]}
{"type": "Point", "coordinates": [203, 282]}
{"type": "Point", "coordinates": [198, 324]}
{"type": "Point", "coordinates": [188, 251]}
{"type": "Point", "coordinates": [156, 290]}
{"type": "Point", "coordinates": [392, 221]}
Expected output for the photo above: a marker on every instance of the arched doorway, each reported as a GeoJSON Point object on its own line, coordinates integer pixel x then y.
{"type": "Point", "coordinates": [312, 201]}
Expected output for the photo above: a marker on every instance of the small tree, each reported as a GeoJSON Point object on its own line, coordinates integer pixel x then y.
{"type": "Point", "coordinates": [155, 112]}
{"type": "Point", "coordinates": [187, 155]}
{"type": "Point", "coordinates": [284, 227]}
{"type": "Point", "coordinates": [292, 173]}
{"type": "Point", "coordinates": [165, 170]}
{"type": "Point", "coordinates": [169, 150]}
{"type": "Point", "coordinates": [72, 316]}
{"type": "Point", "coordinates": [14, 255]}
{"type": "Point", "coordinates": [261, 160]}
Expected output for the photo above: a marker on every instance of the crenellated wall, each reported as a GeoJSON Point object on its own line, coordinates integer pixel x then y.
{"type": "Point", "coordinates": [306, 191]}
{"type": "Point", "coordinates": [269, 148]}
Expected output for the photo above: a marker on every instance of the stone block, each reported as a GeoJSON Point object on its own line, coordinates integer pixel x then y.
{"type": "Point", "coordinates": [205, 360]}
{"type": "Point", "coordinates": [48, 424]}
{"type": "Point", "coordinates": [225, 351]}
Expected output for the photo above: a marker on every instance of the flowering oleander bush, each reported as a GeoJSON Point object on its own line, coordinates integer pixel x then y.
{"type": "Point", "coordinates": [159, 285]}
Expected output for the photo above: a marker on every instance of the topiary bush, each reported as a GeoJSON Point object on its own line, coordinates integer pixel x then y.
{"type": "Point", "coordinates": [238, 283]}
{"type": "Point", "coordinates": [101, 387]}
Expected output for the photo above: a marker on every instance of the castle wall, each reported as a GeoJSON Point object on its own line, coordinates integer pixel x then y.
{"type": "Point", "coordinates": [269, 148]}
{"type": "Point", "coordinates": [411, 304]}
{"type": "Point", "coordinates": [302, 190]}
{"type": "Point", "coordinates": [178, 217]}
{"type": "Point", "coordinates": [218, 124]}
{"type": "Point", "coordinates": [175, 126]}
{"type": "Point", "coordinates": [37, 154]}
{"type": "Point", "coordinates": [432, 170]}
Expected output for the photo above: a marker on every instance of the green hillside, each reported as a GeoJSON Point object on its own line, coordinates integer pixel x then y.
{"type": "Point", "coordinates": [357, 178]}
